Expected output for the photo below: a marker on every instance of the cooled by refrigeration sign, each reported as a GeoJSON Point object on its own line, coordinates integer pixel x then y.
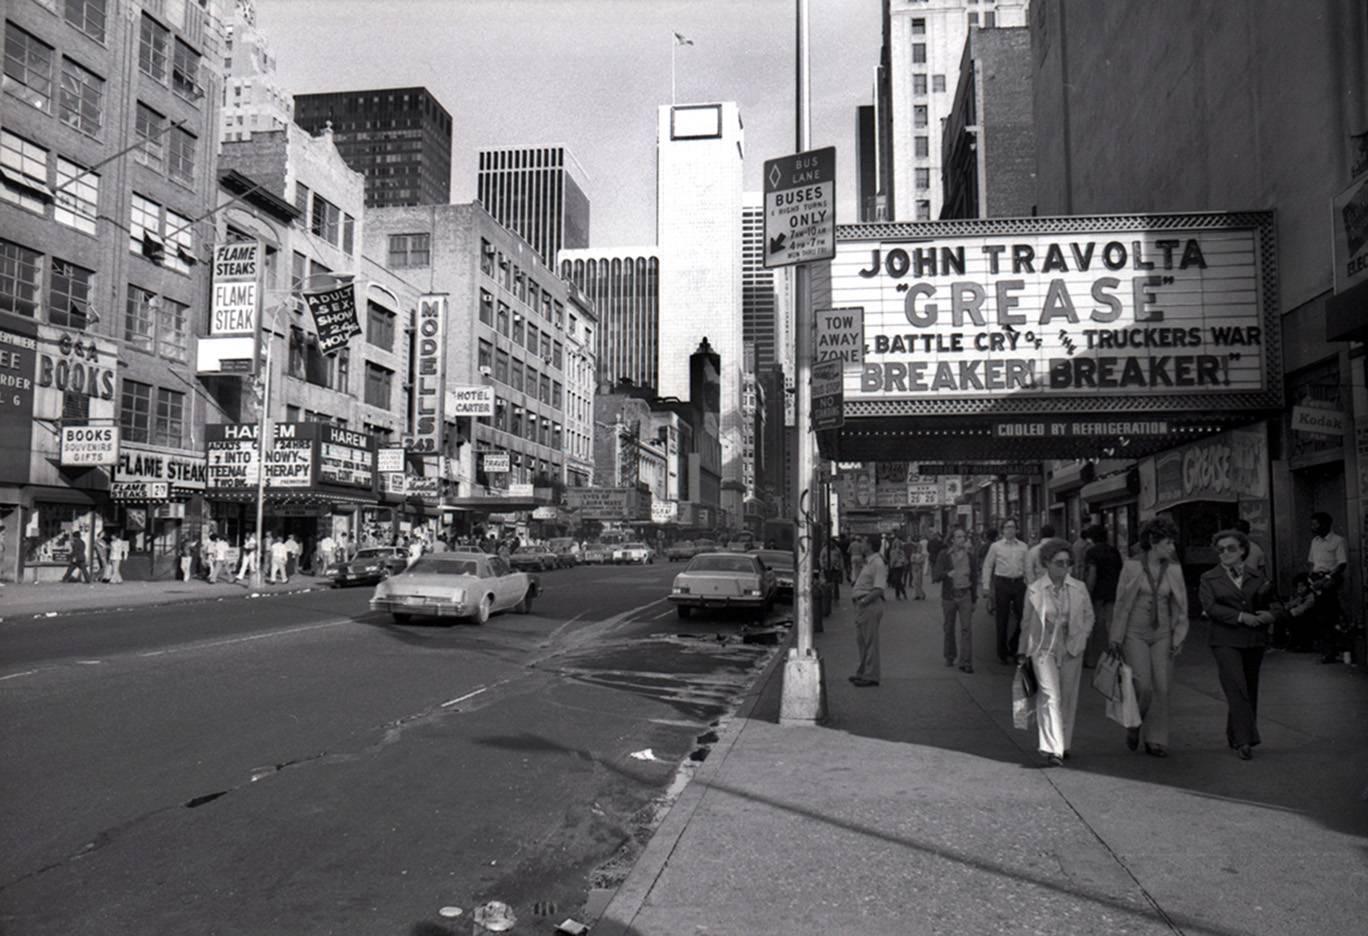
{"type": "Point", "coordinates": [1167, 310]}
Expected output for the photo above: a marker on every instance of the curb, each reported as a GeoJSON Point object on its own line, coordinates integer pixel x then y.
{"type": "Point", "coordinates": [631, 894]}
{"type": "Point", "coordinates": [159, 602]}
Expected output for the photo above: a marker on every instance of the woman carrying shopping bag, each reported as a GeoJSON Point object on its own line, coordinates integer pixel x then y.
{"type": "Point", "coordinates": [1148, 626]}
{"type": "Point", "coordinates": [1054, 632]}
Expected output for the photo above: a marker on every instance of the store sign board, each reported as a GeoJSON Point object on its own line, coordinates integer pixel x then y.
{"type": "Point", "coordinates": [923, 494]}
{"type": "Point", "coordinates": [235, 303]}
{"type": "Point", "coordinates": [1349, 221]}
{"type": "Point", "coordinates": [602, 503]}
{"type": "Point", "coordinates": [1318, 420]}
{"type": "Point", "coordinates": [18, 363]}
{"type": "Point", "coordinates": [232, 463]}
{"type": "Point", "coordinates": [469, 401]}
{"type": "Point", "coordinates": [393, 482]}
{"type": "Point", "coordinates": [346, 457]}
{"type": "Point", "coordinates": [389, 459]}
{"type": "Point", "coordinates": [429, 383]}
{"type": "Point", "coordinates": [427, 489]}
{"type": "Point", "coordinates": [1151, 310]}
{"type": "Point", "coordinates": [495, 462]}
{"type": "Point", "coordinates": [1225, 467]}
{"type": "Point", "coordinates": [138, 463]}
{"type": "Point", "coordinates": [89, 446]}
{"type": "Point", "coordinates": [139, 492]}
{"type": "Point", "coordinates": [521, 490]}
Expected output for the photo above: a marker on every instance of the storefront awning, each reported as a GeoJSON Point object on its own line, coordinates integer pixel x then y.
{"type": "Point", "coordinates": [301, 498]}
{"type": "Point", "coordinates": [496, 504]}
{"type": "Point", "coordinates": [1117, 487]}
{"type": "Point", "coordinates": [1071, 478]}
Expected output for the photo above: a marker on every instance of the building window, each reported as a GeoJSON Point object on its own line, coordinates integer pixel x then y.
{"type": "Point", "coordinates": [937, 82]}
{"type": "Point", "coordinates": [486, 355]}
{"type": "Point", "coordinates": [88, 16]}
{"type": "Point", "coordinates": [545, 347]}
{"type": "Point", "coordinates": [919, 53]}
{"type": "Point", "coordinates": [182, 151]}
{"type": "Point", "coordinates": [295, 356]}
{"type": "Point", "coordinates": [545, 389]}
{"type": "Point", "coordinates": [173, 330]}
{"type": "Point", "coordinates": [923, 210]}
{"type": "Point", "coordinates": [989, 18]}
{"type": "Point", "coordinates": [153, 48]}
{"type": "Point", "coordinates": [379, 326]}
{"type": "Point", "coordinates": [77, 195]}
{"type": "Point", "coordinates": [299, 269]}
{"type": "Point", "coordinates": [486, 257]}
{"type": "Point", "coordinates": [973, 20]}
{"type": "Point", "coordinates": [168, 426]}
{"type": "Point", "coordinates": [923, 147]}
{"type": "Point", "coordinates": [302, 201]}
{"type": "Point", "coordinates": [919, 84]}
{"type": "Point", "coordinates": [291, 413]}
{"type": "Point", "coordinates": [148, 126]}
{"type": "Point", "coordinates": [409, 250]}
{"type": "Point", "coordinates": [69, 291]}
{"type": "Point", "coordinates": [486, 307]}
{"type": "Point", "coordinates": [501, 366]}
{"type": "Point", "coordinates": [517, 372]}
{"type": "Point", "coordinates": [20, 277]}
{"type": "Point", "coordinates": [560, 316]}
{"type": "Point", "coordinates": [326, 221]}
{"type": "Point", "coordinates": [185, 72]}
{"type": "Point", "coordinates": [923, 179]}
{"type": "Point", "coordinates": [379, 382]}
{"type": "Point", "coordinates": [180, 243]}
{"type": "Point", "coordinates": [919, 115]}
{"type": "Point", "coordinates": [558, 355]}
{"type": "Point", "coordinates": [140, 319]}
{"type": "Point", "coordinates": [28, 63]}
{"type": "Point", "coordinates": [519, 330]}
{"type": "Point", "coordinates": [502, 320]}
{"type": "Point", "coordinates": [81, 102]}
{"type": "Point", "coordinates": [348, 234]}
{"type": "Point", "coordinates": [919, 27]}
{"type": "Point", "coordinates": [25, 170]}
{"type": "Point", "coordinates": [339, 371]}
{"type": "Point", "coordinates": [135, 411]}
{"type": "Point", "coordinates": [557, 395]}
{"type": "Point", "coordinates": [144, 221]}
{"type": "Point", "coordinates": [515, 422]}
{"type": "Point", "coordinates": [500, 414]}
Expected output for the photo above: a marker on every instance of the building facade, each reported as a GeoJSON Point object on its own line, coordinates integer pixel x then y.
{"type": "Point", "coordinates": [581, 333]}
{"type": "Point", "coordinates": [253, 97]}
{"type": "Point", "coordinates": [923, 44]}
{"type": "Point", "coordinates": [761, 325]}
{"type": "Point", "coordinates": [699, 157]}
{"type": "Point", "coordinates": [623, 283]}
{"type": "Point", "coordinates": [398, 138]}
{"type": "Point", "coordinates": [106, 170]}
{"type": "Point", "coordinates": [538, 192]}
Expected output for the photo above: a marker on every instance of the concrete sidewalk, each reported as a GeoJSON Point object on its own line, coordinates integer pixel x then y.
{"type": "Point", "coordinates": [28, 600]}
{"type": "Point", "coordinates": [919, 809]}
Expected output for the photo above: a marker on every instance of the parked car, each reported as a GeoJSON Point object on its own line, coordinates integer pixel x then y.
{"type": "Point", "coordinates": [566, 551]}
{"type": "Point", "coordinates": [534, 559]}
{"type": "Point", "coordinates": [782, 563]}
{"type": "Point", "coordinates": [368, 566]}
{"type": "Point", "coordinates": [684, 549]}
{"type": "Point", "coordinates": [723, 580]}
{"type": "Point", "coordinates": [633, 552]}
{"type": "Point", "coordinates": [596, 554]}
{"type": "Point", "coordinates": [455, 585]}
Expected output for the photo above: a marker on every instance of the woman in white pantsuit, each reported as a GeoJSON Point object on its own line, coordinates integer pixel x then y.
{"type": "Point", "coordinates": [1054, 633]}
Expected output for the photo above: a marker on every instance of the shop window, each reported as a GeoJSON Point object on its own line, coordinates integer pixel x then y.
{"type": "Point", "coordinates": [56, 526]}
{"type": "Point", "coordinates": [28, 64]}
{"type": "Point", "coordinates": [81, 101]}
{"type": "Point", "coordinates": [20, 279]}
{"type": "Point", "coordinates": [154, 46]}
{"type": "Point", "coordinates": [77, 196]}
{"type": "Point", "coordinates": [69, 291]}
{"type": "Point", "coordinates": [88, 16]}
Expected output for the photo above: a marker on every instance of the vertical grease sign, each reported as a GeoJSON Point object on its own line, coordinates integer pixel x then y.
{"type": "Point", "coordinates": [430, 385]}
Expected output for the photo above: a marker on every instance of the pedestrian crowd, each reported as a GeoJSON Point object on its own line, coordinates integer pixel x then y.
{"type": "Point", "coordinates": [1061, 607]}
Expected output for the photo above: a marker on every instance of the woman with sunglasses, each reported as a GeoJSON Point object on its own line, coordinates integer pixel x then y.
{"type": "Point", "coordinates": [1055, 626]}
{"type": "Point", "coordinates": [1148, 626]}
{"type": "Point", "coordinates": [1242, 607]}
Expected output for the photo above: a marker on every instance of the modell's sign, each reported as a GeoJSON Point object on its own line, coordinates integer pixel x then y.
{"type": "Point", "coordinates": [1158, 310]}
{"type": "Point", "coordinates": [429, 390]}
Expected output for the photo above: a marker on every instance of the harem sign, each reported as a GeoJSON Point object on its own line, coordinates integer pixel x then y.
{"type": "Point", "coordinates": [1031, 309]}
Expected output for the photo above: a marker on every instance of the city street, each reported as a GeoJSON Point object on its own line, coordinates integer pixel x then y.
{"type": "Point", "coordinates": [298, 764]}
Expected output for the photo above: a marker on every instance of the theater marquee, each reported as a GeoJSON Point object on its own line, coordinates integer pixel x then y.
{"type": "Point", "coordinates": [1051, 329]}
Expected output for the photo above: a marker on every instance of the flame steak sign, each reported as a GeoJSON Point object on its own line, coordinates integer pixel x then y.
{"type": "Point", "coordinates": [1056, 314]}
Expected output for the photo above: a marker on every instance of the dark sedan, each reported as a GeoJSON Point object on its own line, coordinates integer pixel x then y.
{"type": "Point", "coordinates": [368, 566]}
{"type": "Point", "coordinates": [781, 562]}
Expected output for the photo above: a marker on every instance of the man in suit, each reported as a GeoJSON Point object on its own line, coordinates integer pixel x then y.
{"type": "Point", "coordinates": [1241, 606]}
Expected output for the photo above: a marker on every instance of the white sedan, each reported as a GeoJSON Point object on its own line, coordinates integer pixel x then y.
{"type": "Point", "coordinates": [634, 552]}
{"type": "Point", "coordinates": [460, 585]}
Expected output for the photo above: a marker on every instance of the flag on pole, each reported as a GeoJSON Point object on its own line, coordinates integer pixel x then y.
{"type": "Point", "coordinates": [680, 40]}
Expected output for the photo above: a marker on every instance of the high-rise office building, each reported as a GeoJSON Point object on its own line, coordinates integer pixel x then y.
{"type": "Point", "coordinates": [761, 325]}
{"type": "Point", "coordinates": [923, 43]}
{"type": "Point", "coordinates": [699, 155]}
{"type": "Point", "coordinates": [623, 285]}
{"type": "Point", "coordinates": [253, 98]}
{"type": "Point", "coordinates": [537, 192]}
{"type": "Point", "coordinates": [398, 138]}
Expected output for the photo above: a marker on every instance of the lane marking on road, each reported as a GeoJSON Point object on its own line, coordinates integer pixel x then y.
{"type": "Point", "coordinates": [89, 662]}
{"type": "Point", "coordinates": [461, 699]}
{"type": "Point", "coordinates": [666, 613]}
{"type": "Point", "coordinates": [29, 672]}
{"type": "Point", "coordinates": [557, 632]}
{"type": "Point", "coordinates": [237, 640]}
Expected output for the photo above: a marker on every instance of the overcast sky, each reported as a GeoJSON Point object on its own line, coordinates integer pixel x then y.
{"type": "Point", "coordinates": [590, 74]}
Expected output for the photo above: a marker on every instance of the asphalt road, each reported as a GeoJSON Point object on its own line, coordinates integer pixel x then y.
{"type": "Point", "coordinates": [296, 764]}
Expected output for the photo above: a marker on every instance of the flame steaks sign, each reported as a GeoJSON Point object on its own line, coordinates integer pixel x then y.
{"type": "Point", "coordinates": [1168, 309]}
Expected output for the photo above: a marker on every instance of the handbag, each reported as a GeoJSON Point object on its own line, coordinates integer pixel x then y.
{"type": "Point", "coordinates": [1126, 710]}
{"type": "Point", "coordinates": [1023, 701]}
{"type": "Point", "coordinates": [1028, 675]}
{"type": "Point", "coordinates": [1107, 678]}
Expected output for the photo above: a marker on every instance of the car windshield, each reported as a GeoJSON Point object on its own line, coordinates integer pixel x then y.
{"type": "Point", "coordinates": [722, 564]}
{"type": "Point", "coordinates": [635, 546]}
{"type": "Point", "coordinates": [366, 554]}
{"type": "Point", "coordinates": [442, 565]}
{"type": "Point", "coordinates": [776, 558]}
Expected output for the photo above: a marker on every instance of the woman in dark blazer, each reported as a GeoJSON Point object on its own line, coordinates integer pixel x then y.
{"type": "Point", "coordinates": [1241, 606]}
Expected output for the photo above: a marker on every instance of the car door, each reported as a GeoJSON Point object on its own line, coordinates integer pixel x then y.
{"type": "Point", "coordinates": [500, 582]}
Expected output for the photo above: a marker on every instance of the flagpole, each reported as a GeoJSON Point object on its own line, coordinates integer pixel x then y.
{"type": "Point", "coordinates": [674, 44]}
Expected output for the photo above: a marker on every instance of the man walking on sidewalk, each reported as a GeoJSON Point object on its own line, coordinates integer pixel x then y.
{"type": "Point", "coordinates": [1004, 585]}
{"type": "Point", "coordinates": [869, 598]}
{"type": "Point", "coordinates": [76, 563]}
{"type": "Point", "coordinates": [957, 571]}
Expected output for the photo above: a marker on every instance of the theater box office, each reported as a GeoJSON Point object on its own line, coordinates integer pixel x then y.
{"type": "Point", "coordinates": [317, 478]}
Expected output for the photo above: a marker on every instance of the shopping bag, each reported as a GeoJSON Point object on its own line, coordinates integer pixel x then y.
{"type": "Point", "coordinates": [1023, 701]}
{"type": "Point", "coordinates": [1125, 711]}
{"type": "Point", "coordinates": [1107, 677]}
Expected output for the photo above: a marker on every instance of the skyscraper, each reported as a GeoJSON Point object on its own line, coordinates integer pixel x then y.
{"type": "Point", "coordinates": [699, 154]}
{"type": "Point", "coordinates": [922, 47]}
{"type": "Point", "coordinates": [537, 192]}
{"type": "Point", "coordinates": [253, 97]}
{"type": "Point", "coordinates": [398, 138]}
{"type": "Point", "coordinates": [760, 323]}
{"type": "Point", "coordinates": [623, 284]}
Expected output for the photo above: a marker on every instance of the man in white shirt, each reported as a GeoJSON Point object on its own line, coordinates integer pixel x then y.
{"type": "Point", "coordinates": [249, 558]}
{"type": "Point", "coordinates": [869, 607]}
{"type": "Point", "coordinates": [1326, 561]}
{"type": "Point", "coordinates": [280, 555]}
{"type": "Point", "coordinates": [1004, 585]}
